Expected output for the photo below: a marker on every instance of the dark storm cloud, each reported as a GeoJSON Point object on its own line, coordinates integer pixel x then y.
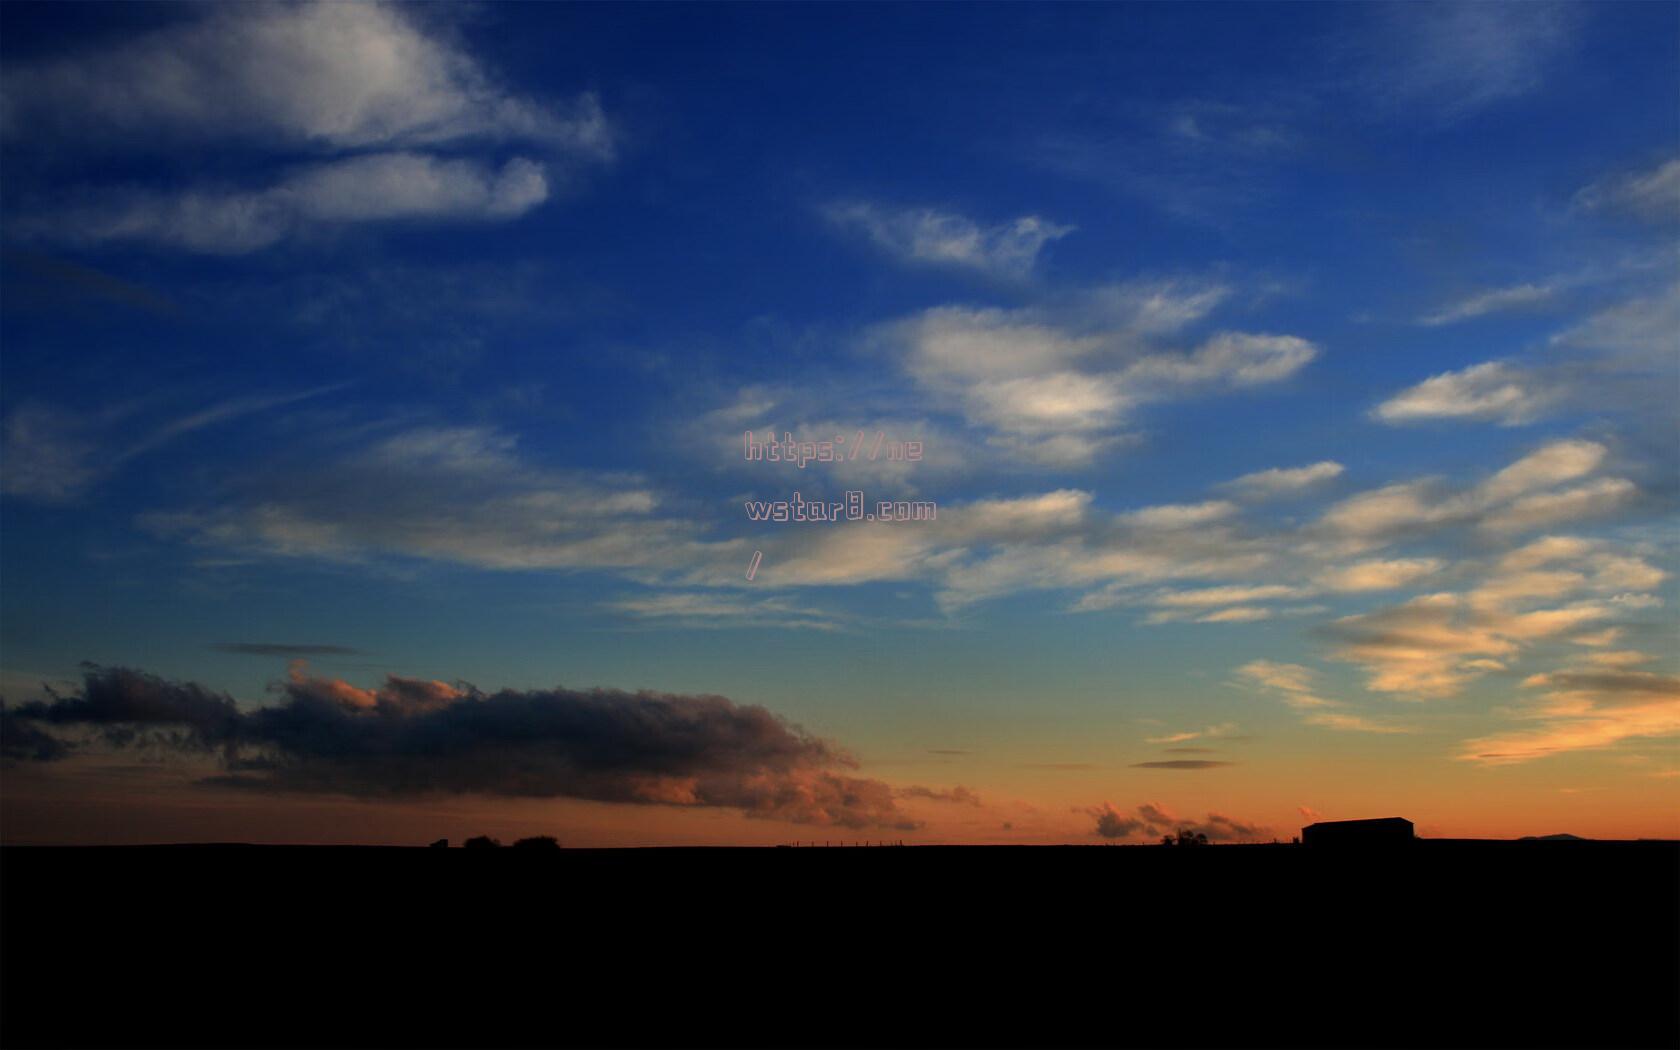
{"type": "Point", "coordinates": [283, 649]}
{"type": "Point", "coordinates": [1111, 825]}
{"type": "Point", "coordinates": [20, 739]}
{"type": "Point", "coordinates": [958, 794]}
{"type": "Point", "coordinates": [125, 706]}
{"type": "Point", "coordinates": [1154, 821]}
{"type": "Point", "coordinates": [412, 737]}
{"type": "Point", "coordinates": [1181, 763]}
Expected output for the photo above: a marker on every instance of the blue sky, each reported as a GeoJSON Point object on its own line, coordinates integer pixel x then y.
{"type": "Point", "coordinates": [1297, 381]}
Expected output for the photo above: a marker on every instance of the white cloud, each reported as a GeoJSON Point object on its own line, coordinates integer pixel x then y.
{"type": "Point", "coordinates": [1642, 328]}
{"type": "Point", "coordinates": [926, 235]}
{"type": "Point", "coordinates": [694, 609]}
{"type": "Point", "coordinates": [1433, 645]}
{"type": "Point", "coordinates": [1593, 499]}
{"type": "Point", "coordinates": [1585, 710]}
{"type": "Point", "coordinates": [1486, 392]}
{"type": "Point", "coordinates": [1057, 387]}
{"type": "Point", "coordinates": [1179, 515]}
{"type": "Point", "coordinates": [1232, 595]}
{"type": "Point", "coordinates": [369, 188]}
{"type": "Point", "coordinates": [1239, 614]}
{"type": "Point", "coordinates": [1280, 481]}
{"type": "Point", "coordinates": [1378, 574]}
{"type": "Point", "coordinates": [335, 76]}
{"type": "Point", "coordinates": [1513, 499]}
{"type": "Point", "coordinates": [1488, 302]}
{"type": "Point", "coordinates": [1652, 195]}
{"type": "Point", "coordinates": [350, 103]}
{"type": "Point", "coordinates": [1464, 57]}
{"type": "Point", "coordinates": [1296, 686]}
{"type": "Point", "coordinates": [453, 494]}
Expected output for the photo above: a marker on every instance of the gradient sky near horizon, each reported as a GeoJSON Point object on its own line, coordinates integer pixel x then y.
{"type": "Point", "coordinates": [1297, 385]}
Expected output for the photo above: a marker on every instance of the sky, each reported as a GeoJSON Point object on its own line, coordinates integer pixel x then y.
{"type": "Point", "coordinates": [1283, 397]}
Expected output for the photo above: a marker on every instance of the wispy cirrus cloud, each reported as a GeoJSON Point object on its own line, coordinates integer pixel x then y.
{"type": "Point", "coordinates": [1297, 686]}
{"type": "Point", "coordinates": [52, 454]}
{"type": "Point", "coordinates": [1652, 195]}
{"type": "Point", "coordinates": [1284, 481]}
{"type": "Point", "coordinates": [1551, 485]}
{"type": "Point", "coordinates": [1584, 710]}
{"type": "Point", "coordinates": [1492, 301]}
{"type": "Point", "coordinates": [1461, 58]}
{"type": "Point", "coordinates": [1433, 645]}
{"type": "Point", "coordinates": [382, 187]}
{"type": "Point", "coordinates": [929, 236]}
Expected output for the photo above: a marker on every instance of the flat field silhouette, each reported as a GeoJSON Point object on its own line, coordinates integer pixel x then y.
{"type": "Point", "coordinates": [1441, 943]}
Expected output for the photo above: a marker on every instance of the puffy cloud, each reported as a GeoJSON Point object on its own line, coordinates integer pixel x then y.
{"type": "Point", "coordinates": [310, 75]}
{"type": "Point", "coordinates": [1489, 302]}
{"type": "Point", "coordinates": [1488, 392]}
{"type": "Point", "coordinates": [1282, 481]}
{"type": "Point", "coordinates": [1056, 386]}
{"type": "Point", "coordinates": [411, 737]}
{"type": "Point", "coordinates": [352, 101]}
{"type": "Point", "coordinates": [124, 707]}
{"type": "Point", "coordinates": [926, 235]}
{"type": "Point", "coordinates": [1111, 825]}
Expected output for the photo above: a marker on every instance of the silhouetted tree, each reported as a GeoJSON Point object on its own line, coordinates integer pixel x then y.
{"type": "Point", "coordinates": [1186, 837]}
{"type": "Point", "coordinates": [480, 842]}
{"type": "Point", "coordinates": [538, 842]}
{"type": "Point", "coordinates": [1166, 840]}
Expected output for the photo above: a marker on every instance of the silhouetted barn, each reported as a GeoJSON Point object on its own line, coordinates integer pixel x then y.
{"type": "Point", "coordinates": [1383, 831]}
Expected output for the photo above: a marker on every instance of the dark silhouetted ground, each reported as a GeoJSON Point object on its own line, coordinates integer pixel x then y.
{"type": "Point", "coordinates": [1521, 944]}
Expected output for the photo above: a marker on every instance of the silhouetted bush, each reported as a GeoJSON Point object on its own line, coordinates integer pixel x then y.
{"type": "Point", "coordinates": [538, 842]}
{"type": "Point", "coordinates": [1186, 837]}
{"type": "Point", "coordinates": [480, 842]}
